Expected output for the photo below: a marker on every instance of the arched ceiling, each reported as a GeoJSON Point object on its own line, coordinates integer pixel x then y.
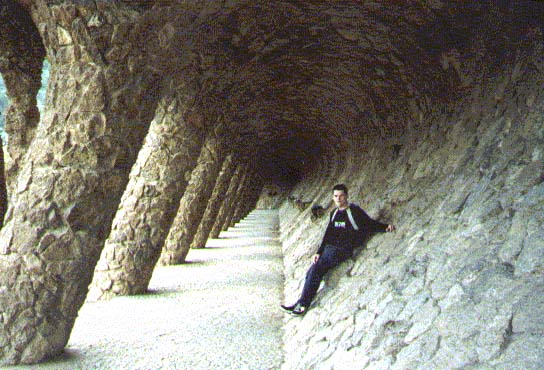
{"type": "Point", "coordinates": [298, 80]}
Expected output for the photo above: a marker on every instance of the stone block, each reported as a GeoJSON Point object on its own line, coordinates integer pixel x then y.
{"type": "Point", "coordinates": [453, 353]}
{"type": "Point", "coordinates": [63, 36]}
{"type": "Point", "coordinates": [524, 350]}
{"type": "Point", "coordinates": [416, 354]}
{"type": "Point", "coordinates": [459, 321]}
{"type": "Point", "coordinates": [422, 320]}
{"type": "Point", "coordinates": [528, 311]}
{"type": "Point", "coordinates": [530, 259]}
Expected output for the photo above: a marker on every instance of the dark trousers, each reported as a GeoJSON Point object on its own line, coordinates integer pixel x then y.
{"type": "Point", "coordinates": [331, 257]}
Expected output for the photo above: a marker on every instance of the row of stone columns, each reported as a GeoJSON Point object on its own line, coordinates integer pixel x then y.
{"type": "Point", "coordinates": [193, 203]}
{"type": "Point", "coordinates": [215, 195]}
{"type": "Point", "coordinates": [69, 181]}
{"type": "Point", "coordinates": [61, 208]}
{"type": "Point", "coordinates": [183, 185]}
{"type": "Point", "coordinates": [214, 204]}
{"type": "Point", "coordinates": [119, 151]}
{"type": "Point", "coordinates": [174, 200]}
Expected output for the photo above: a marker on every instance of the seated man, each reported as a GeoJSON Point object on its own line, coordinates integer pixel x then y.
{"type": "Point", "coordinates": [347, 228]}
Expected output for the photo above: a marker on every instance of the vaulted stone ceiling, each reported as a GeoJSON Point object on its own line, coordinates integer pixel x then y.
{"type": "Point", "coordinates": [331, 72]}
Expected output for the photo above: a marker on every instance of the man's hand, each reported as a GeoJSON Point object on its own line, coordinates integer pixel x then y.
{"type": "Point", "coordinates": [315, 258]}
{"type": "Point", "coordinates": [390, 228]}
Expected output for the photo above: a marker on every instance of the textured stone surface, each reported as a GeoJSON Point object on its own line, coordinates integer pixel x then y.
{"type": "Point", "coordinates": [430, 110]}
{"type": "Point", "coordinates": [3, 187]}
{"type": "Point", "coordinates": [214, 204]}
{"type": "Point", "coordinates": [192, 205]}
{"type": "Point", "coordinates": [150, 201]}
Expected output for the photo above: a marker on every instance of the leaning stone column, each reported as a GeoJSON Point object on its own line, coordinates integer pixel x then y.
{"type": "Point", "coordinates": [67, 190]}
{"type": "Point", "coordinates": [227, 201]}
{"type": "Point", "coordinates": [193, 203]}
{"type": "Point", "coordinates": [254, 193]}
{"type": "Point", "coordinates": [243, 200]}
{"type": "Point", "coordinates": [3, 189]}
{"type": "Point", "coordinates": [21, 57]}
{"type": "Point", "coordinates": [150, 202]}
{"type": "Point", "coordinates": [229, 214]}
{"type": "Point", "coordinates": [214, 204]}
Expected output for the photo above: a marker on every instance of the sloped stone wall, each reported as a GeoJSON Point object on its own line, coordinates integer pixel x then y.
{"type": "Point", "coordinates": [460, 283]}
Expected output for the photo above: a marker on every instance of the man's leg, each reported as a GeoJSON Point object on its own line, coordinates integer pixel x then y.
{"type": "Point", "coordinates": [330, 258]}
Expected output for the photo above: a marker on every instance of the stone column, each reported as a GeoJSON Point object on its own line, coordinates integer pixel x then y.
{"type": "Point", "coordinates": [256, 188]}
{"type": "Point", "coordinates": [227, 202]}
{"type": "Point", "coordinates": [193, 203]}
{"type": "Point", "coordinates": [68, 188]}
{"type": "Point", "coordinates": [150, 202]}
{"type": "Point", "coordinates": [3, 189]}
{"type": "Point", "coordinates": [244, 199]}
{"type": "Point", "coordinates": [236, 198]}
{"type": "Point", "coordinates": [21, 57]}
{"type": "Point", "coordinates": [214, 204]}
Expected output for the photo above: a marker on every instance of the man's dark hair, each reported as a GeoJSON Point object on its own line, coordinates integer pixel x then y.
{"type": "Point", "coordinates": [341, 187]}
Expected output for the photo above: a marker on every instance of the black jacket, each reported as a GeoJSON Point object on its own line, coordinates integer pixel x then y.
{"type": "Point", "coordinates": [341, 233]}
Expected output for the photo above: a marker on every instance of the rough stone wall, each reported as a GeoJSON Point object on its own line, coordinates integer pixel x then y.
{"type": "Point", "coordinates": [460, 283]}
{"type": "Point", "coordinates": [271, 197]}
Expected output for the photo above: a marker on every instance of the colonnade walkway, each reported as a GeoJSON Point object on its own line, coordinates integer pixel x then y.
{"type": "Point", "coordinates": [218, 311]}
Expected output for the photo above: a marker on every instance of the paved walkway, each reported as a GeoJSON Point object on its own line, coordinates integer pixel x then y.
{"type": "Point", "coordinates": [219, 311]}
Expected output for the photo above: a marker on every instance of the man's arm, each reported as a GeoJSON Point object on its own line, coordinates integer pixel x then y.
{"type": "Point", "coordinates": [327, 235]}
{"type": "Point", "coordinates": [370, 225]}
{"type": "Point", "coordinates": [325, 240]}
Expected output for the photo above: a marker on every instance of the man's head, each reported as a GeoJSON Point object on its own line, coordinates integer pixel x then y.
{"type": "Point", "coordinates": [340, 195]}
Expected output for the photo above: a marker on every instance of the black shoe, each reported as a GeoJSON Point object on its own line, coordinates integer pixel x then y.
{"type": "Point", "coordinates": [289, 308]}
{"type": "Point", "coordinates": [299, 310]}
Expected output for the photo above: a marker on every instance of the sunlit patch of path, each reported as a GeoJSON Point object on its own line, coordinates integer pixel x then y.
{"type": "Point", "coordinates": [219, 311]}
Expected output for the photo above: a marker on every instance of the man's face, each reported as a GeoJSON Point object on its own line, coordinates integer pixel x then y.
{"type": "Point", "coordinates": [340, 198]}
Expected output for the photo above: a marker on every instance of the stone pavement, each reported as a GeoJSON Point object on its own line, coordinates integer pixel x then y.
{"type": "Point", "coordinates": [219, 311]}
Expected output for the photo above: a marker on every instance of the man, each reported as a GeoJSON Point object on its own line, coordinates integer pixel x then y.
{"type": "Point", "coordinates": [347, 228]}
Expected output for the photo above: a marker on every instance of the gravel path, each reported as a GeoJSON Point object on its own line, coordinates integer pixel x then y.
{"type": "Point", "coordinates": [219, 311]}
